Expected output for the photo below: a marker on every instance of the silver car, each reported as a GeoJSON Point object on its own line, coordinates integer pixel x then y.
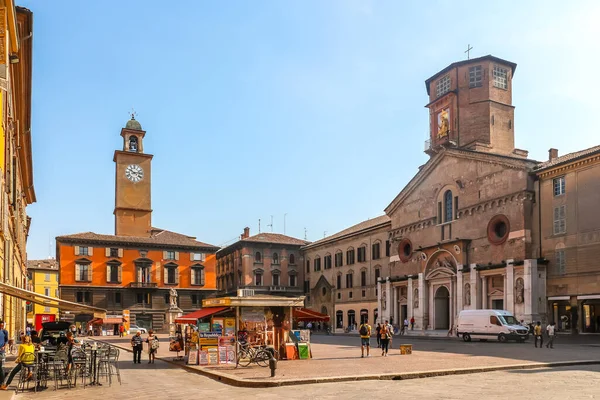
{"type": "Point", "coordinates": [133, 329]}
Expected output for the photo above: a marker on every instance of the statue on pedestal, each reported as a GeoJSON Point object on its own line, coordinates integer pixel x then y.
{"type": "Point", "coordinates": [173, 298]}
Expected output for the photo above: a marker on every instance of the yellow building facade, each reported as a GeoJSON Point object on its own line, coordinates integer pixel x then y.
{"type": "Point", "coordinates": [16, 167]}
{"type": "Point", "coordinates": [43, 278]}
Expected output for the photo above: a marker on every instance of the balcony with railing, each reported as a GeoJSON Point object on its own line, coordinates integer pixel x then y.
{"type": "Point", "coordinates": [143, 285]}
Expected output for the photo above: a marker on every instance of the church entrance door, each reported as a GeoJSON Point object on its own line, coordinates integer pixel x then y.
{"type": "Point", "coordinates": [442, 308]}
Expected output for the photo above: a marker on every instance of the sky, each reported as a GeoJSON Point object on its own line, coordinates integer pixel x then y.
{"type": "Point", "coordinates": [312, 110]}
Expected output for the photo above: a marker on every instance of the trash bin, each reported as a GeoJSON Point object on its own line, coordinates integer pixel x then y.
{"type": "Point", "coordinates": [303, 351]}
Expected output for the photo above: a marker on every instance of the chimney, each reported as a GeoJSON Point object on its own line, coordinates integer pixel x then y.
{"type": "Point", "coordinates": [552, 154]}
{"type": "Point", "coordinates": [246, 233]}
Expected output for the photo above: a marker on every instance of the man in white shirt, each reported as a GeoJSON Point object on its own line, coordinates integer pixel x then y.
{"type": "Point", "coordinates": [551, 335]}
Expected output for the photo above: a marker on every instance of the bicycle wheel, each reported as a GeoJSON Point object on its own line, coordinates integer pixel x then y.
{"type": "Point", "coordinates": [244, 358]}
{"type": "Point", "coordinates": [262, 358]}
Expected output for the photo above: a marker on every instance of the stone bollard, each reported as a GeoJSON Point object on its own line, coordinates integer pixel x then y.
{"type": "Point", "coordinates": [272, 365]}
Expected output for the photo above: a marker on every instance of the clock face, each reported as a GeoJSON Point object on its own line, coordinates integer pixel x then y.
{"type": "Point", "coordinates": [134, 173]}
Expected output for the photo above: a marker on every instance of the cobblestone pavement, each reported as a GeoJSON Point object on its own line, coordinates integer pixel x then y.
{"type": "Point", "coordinates": [333, 354]}
{"type": "Point", "coordinates": [162, 381]}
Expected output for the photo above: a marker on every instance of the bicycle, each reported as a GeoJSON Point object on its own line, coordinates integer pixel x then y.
{"type": "Point", "coordinates": [248, 354]}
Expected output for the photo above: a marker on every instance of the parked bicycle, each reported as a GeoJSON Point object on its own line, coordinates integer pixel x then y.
{"type": "Point", "coordinates": [248, 354]}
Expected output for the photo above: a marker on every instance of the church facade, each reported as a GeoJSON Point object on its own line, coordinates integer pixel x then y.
{"type": "Point", "coordinates": [461, 229]}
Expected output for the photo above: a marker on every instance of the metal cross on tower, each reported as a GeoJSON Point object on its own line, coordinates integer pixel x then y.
{"type": "Point", "coordinates": [469, 48]}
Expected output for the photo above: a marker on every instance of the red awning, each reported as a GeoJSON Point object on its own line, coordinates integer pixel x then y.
{"type": "Point", "coordinates": [304, 314]}
{"type": "Point", "coordinates": [194, 316]}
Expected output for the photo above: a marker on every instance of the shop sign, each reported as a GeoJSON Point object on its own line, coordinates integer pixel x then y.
{"type": "Point", "coordinates": [224, 301]}
{"type": "Point", "coordinates": [213, 356]}
{"type": "Point", "coordinates": [204, 326]}
{"type": "Point", "coordinates": [253, 314]}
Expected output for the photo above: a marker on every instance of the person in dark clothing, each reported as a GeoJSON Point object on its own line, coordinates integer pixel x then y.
{"type": "Point", "coordinates": [138, 344]}
{"type": "Point", "coordinates": [35, 339]}
{"type": "Point", "coordinates": [378, 330]}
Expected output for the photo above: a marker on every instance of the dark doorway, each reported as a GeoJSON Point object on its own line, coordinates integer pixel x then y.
{"type": "Point", "coordinates": [442, 308]}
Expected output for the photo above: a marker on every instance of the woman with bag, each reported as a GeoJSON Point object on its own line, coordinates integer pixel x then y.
{"type": "Point", "coordinates": [153, 346]}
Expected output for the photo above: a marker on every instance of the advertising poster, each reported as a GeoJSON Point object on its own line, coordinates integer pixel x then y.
{"type": "Point", "coordinates": [203, 357]}
{"type": "Point", "coordinates": [204, 327]}
{"type": "Point", "coordinates": [193, 357]}
{"type": "Point", "coordinates": [126, 318]}
{"type": "Point", "coordinates": [213, 356]}
{"type": "Point", "coordinates": [223, 355]}
{"type": "Point", "coordinates": [229, 327]}
{"type": "Point", "coordinates": [217, 325]}
{"type": "Point", "coordinates": [227, 341]}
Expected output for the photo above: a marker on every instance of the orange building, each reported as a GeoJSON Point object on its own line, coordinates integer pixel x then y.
{"type": "Point", "coordinates": [136, 268]}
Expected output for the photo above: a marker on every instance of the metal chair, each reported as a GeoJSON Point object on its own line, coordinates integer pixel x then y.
{"type": "Point", "coordinates": [104, 365]}
{"type": "Point", "coordinates": [113, 362]}
{"type": "Point", "coordinates": [80, 366]}
{"type": "Point", "coordinates": [56, 366]}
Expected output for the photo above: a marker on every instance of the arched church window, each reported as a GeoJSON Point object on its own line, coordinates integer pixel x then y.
{"type": "Point", "coordinates": [133, 144]}
{"type": "Point", "coordinates": [448, 206]}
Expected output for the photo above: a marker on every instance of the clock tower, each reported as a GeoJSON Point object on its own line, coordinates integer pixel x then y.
{"type": "Point", "coordinates": [133, 211]}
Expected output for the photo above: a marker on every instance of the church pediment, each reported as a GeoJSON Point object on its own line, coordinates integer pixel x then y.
{"type": "Point", "coordinates": [459, 161]}
{"type": "Point", "coordinates": [323, 282]}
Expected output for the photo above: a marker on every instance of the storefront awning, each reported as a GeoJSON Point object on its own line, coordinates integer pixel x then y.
{"type": "Point", "coordinates": [589, 297]}
{"type": "Point", "coordinates": [48, 301]}
{"type": "Point", "coordinates": [194, 316]}
{"type": "Point", "coordinates": [304, 314]}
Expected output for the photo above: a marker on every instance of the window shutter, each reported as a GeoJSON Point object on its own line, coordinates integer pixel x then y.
{"type": "Point", "coordinates": [165, 275]}
{"type": "Point", "coordinates": [192, 276]}
{"type": "Point", "coordinates": [77, 271]}
{"type": "Point", "coordinates": [164, 255]}
{"type": "Point", "coordinates": [107, 272]}
{"type": "Point", "coordinates": [563, 219]}
{"type": "Point", "coordinates": [120, 252]}
{"type": "Point", "coordinates": [107, 252]}
{"type": "Point", "coordinates": [202, 277]}
{"type": "Point", "coordinates": [90, 270]}
{"type": "Point", "coordinates": [176, 256]}
{"type": "Point", "coordinates": [191, 256]}
{"type": "Point", "coordinates": [120, 271]}
{"type": "Point", "coordinates": [176, 276]}
{"type": "Point", "coordinates": [76, 248]}
{"type": "Point", "coordinates": [90, 251]}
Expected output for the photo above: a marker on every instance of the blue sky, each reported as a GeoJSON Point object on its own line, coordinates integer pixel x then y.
{"type": "Point", "coordinates": [260, 108]}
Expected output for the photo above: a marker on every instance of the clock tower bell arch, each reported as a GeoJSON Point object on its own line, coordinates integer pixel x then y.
{"type": "Point", "coordinates": [133, 210]}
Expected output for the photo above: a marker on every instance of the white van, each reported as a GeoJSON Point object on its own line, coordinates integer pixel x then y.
{"type": "Point", "coordinates": [490, 324]}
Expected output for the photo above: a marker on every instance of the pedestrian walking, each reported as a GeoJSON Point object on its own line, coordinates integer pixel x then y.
{"type": "Point", "coordinates": [386, 335]}
{"type": "Point", "coordinates": [378, 335]}
{"type": "Point", "coordinates": [28, 330]}
{"type": "Point", "coordinates": [365, 338]}
{"type": "Point", "coordinates": [412, 323]}
{"type": "Point", "coordinates": [3, 344]}
{"type": "Point", "coordinates": [153, 346]}
{"type": "Point", "coordinates": [551, 335]}
{"type": "Point", "coordinates": [137, 343]}
{"type": "Point", "coordinates": [537, 332]}
{"type": "Point", "coordinates": [121, 330]}
{"type": "Point", "coordinates": [405, 326]}
{"type": "Point", "coordinates": [90, 330]}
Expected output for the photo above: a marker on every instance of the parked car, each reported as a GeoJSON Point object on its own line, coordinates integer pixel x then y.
{"type": "Point", "coordinates": [133, 329]}
{"type": "Point", "coordinates": [54, 332]}
{"type": "Point", "coordinates": [490, 324]}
